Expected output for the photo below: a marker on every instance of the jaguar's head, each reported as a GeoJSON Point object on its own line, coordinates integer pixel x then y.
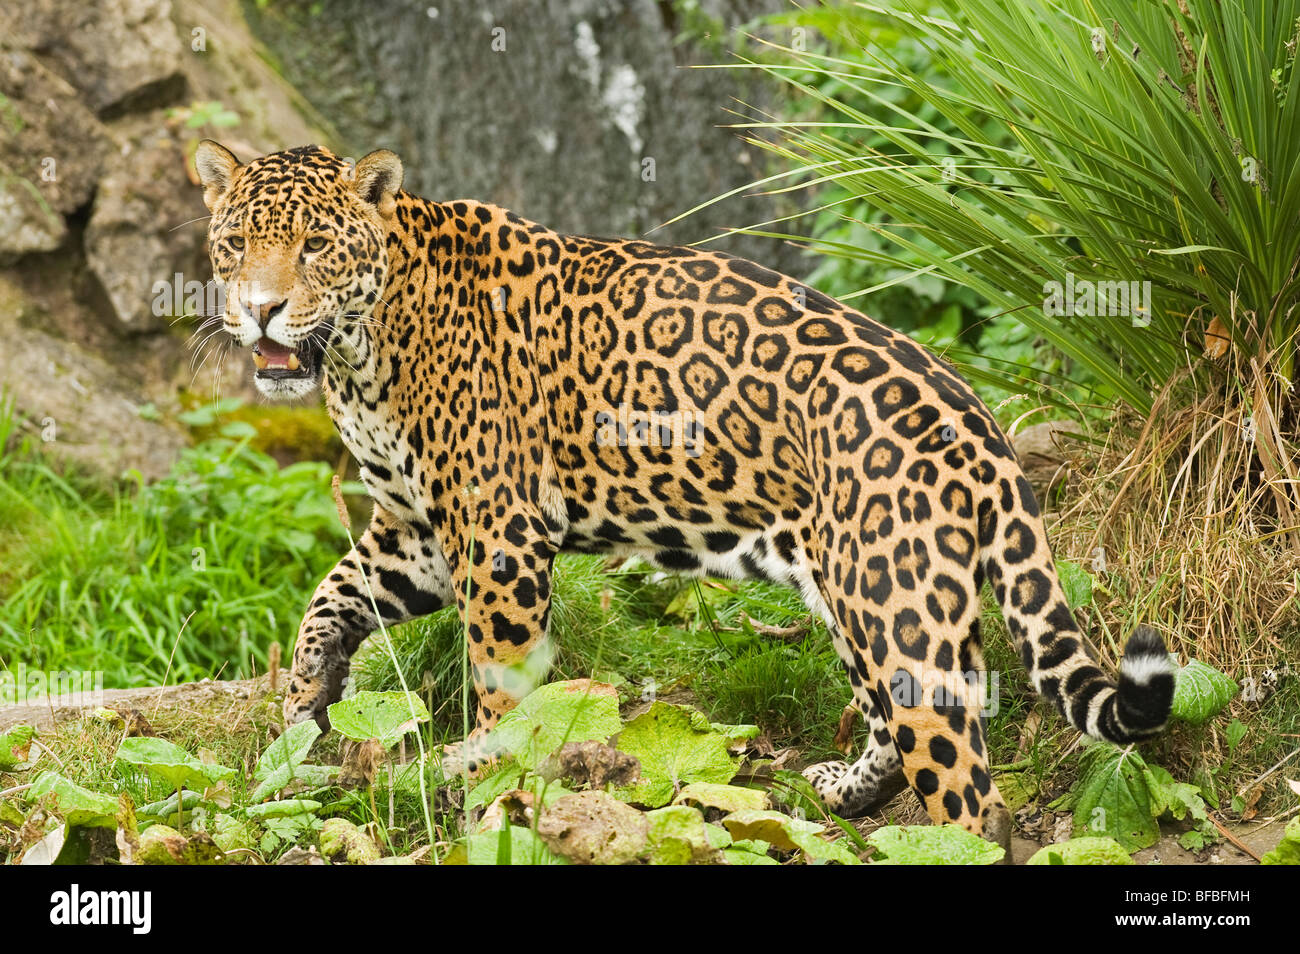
{"type": "Point", "coordinates": [297, 241]}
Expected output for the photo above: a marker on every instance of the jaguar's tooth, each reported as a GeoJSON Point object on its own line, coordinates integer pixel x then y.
{"type": "Point", "coordinates": [293, 362]}
{"type": "Point", "coordinates": [259, 361]}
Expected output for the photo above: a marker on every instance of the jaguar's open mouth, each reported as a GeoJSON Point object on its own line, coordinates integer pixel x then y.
{"type": "Point", "coordinates": [277, 362]}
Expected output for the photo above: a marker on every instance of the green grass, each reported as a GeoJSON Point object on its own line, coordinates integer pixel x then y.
{"type": "Point", "coordinates": [192, 576]}
{"type": "Point", "coordinates": [649, 633]}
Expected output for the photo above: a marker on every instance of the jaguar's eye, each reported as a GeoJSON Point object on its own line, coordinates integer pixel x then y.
{"type": "Point", "coordinates": [315, 243]}
{"type": "Point", "coordinates": [236, 242]}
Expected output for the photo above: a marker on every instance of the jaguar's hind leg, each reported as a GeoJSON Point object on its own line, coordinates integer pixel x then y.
{"type": "Point", "coordinates": [945, 759]}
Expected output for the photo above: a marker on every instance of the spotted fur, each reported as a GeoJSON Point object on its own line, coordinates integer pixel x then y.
{"type": "Point", "coordinates": [494, 378]}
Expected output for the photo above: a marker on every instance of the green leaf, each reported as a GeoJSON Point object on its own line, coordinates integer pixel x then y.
{"type": "Point", "coordinates": [675, 746]}
{"type": "Point", "coordinates": [1235, 732]}
{"type": "Point", "coordinates": [78, 806]}
{"type": "Point", "coordinates": [932, 845]}
{"type": "Point", "coordinates": [386, 716]}
{"type": "Point", "coordinates": [1200, 692]}
{"type": "Point", "coordinates": [738, 856]}
{"type": "Point", "coordinates": [554, 714]}
{"type": "Point", "coordinates": [14, 746]}
{"type": "Point", "coordinates": [1113, 798]}
{"type": "Point", "coordinates": [171, 763]}
{"type": "Point", "coordinates": [1287, 851]}
{"type": "Point", "coordinates": [166, 808]}
{"type": "Point", "coordinates": [1179, 801]}
{"type": "Point", "coordinates": [788, 834]}
{"type": "Point", "coordinates": [508, 846]}
{"type": "Point", "coordinates": [486, 791]}
{"type": "Point", "coordinates": [238, 430]}
{"type": "Point", "coordinates": [1077, 583]}
{"type": "Point", "coordinates": [288, 808]}
{"type": "Point", "coordinates": [1088, 850]}
{"type": "Point", "coordinates": [727, 798]}
{"type": "Point", "coordinates": [278, 765]}
{"type": "Point", "coordinates": [678, 836]}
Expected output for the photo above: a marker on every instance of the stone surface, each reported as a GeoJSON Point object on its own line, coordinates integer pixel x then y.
{"type": "Point", "coordinates": [140, 230]}
{"type": "Point", "coordinates": [120, 54]}
{"type": "Point", "coordinates": [51, 151]}
{"type": "Point", "coordinates": [81, 249]}
{"type": "Point", "coordinates": [551, 109]}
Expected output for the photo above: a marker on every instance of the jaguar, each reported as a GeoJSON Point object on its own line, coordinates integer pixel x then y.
{"type": "Point", "coordinates": [510, 392]}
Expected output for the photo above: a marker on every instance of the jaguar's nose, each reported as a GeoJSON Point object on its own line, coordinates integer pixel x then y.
{"type": "Point", "coordinates": [263, 312]}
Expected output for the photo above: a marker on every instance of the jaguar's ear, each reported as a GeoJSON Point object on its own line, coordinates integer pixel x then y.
{"type": "Point", "coordinates": [216, 167]}
{"type": "Point", "coordinates": [376, 180]}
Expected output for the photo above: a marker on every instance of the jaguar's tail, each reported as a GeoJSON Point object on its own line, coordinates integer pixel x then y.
{"type": "Point", "coordinates": [1059, 659]}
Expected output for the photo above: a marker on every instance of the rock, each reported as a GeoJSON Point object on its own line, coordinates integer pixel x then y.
{"type": "Point", "coordinates": [163, 845]}
{"type": "Point", "coordinates": [121, 54]}
{"type": "Point", "coordinates": [300, 856]}
{"type": "Point", "coordinates": [147, 226]}
{"type": "Point", "coordinates": [344, 843]}
{"type": "Point", "coordinates": [593, 828]}
{"type": "Point", "coordinates": [1041, 449]}
{"type": "Point", "coordinates": [583, 115]}
{"type": "Point", "coordinates": [51, 152]}
{"type": "Point", "coordinates": [79, 404]}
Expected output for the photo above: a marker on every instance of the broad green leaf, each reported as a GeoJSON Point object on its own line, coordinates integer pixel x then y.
{"type": "Point", "coordinates": [736, 856]}
{"type": "Point", "coordinates": [1180, 800]}
{"type": "Point", "coordinates": [1287, 851]}
{"type": "Point", "coordinates": [795, 794]}
{"type": "Point", "coordinates": [1235, 732]}
{"type": "Point", "coordinates": [230, 833]}
{"type": "Point", "coordinates": [487, 791]}
{"type": "Point", "coordinates": [167, 807]}
{"type": "Point", "coordinates": [1077, 583]}
{"type": "Point", "coordinates": [508, 846]}
{"type": "Point", "coordinates": [171, 763]}
{"type": "Point", "coordinates": [1112, 797]}
{"type": "Point", "coordinates": [78, 806]}
{"type": "Point", "coordinates": [1200, 692]}
{"type": "Point", "coordinates": [735, 733]}
{"type": "Point", "coordinates": [678, 836]}
{"type": "Point", "coordinates": [727, 798]}
{"type": "Point", "coordinates": [1088, 850]}
{"type": "Point", "coordinates": [14, 746]}
{"type": "Point", "coordinates": [554, 714]}
{"type": "Point", "coordinates": [288, 808]}
{"type": "Point", "coordinates": [675, 746]}
{"type": "Point", "coordinates": [386, 716]}
{"type": "Point", "coordinates": [719, 837]}
{"type": "Point", "coordinates": [278, 765]}
{"type": "Point", "coordinates": [932, 845]}
{"type": "Point", "coordinates": [788, 834]}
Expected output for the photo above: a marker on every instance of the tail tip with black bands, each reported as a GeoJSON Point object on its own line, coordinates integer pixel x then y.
{"type": "Point", "coordinates": [1146, 684]}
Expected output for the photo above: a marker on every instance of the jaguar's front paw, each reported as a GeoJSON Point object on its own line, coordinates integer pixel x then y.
{"type": "Point", "coordinates": [309, 697]}
{"type": "Point", "coordinates": [473, 757]}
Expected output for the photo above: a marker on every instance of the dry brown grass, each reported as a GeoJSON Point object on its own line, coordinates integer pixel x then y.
{"type": "Point", "coordinates": [1189, 522]}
